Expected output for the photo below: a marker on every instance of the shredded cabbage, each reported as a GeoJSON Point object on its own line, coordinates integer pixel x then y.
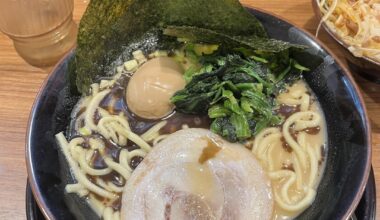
{"type": "Point", "coordinates": [356, 22]}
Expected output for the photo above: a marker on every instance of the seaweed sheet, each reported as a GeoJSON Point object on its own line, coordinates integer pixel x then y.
{"type": "Point", "coordinates": [202, 35]}
{"type": "Point", "coordinates": [111, 27]}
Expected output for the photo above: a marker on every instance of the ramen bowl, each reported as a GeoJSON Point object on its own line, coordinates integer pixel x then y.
{"type": "Point", "coordinates": [365, 66]}
{"type": "Point", "coordinates": [349, 141]}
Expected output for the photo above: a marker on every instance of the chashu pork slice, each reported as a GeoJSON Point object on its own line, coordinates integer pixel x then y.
{"type": "Point", "coordinates": [194, 174]}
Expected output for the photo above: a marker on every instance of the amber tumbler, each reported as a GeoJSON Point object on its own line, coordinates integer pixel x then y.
{"type": "Point", "coordinates": [42, 30]}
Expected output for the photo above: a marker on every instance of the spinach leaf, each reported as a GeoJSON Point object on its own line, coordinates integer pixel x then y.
{"type": "Point", "coordinates": [224, 127]}
{"type": "Point", "coordinates": [197, 97]}
{"type": "Point", "coordinates": [237, 95]}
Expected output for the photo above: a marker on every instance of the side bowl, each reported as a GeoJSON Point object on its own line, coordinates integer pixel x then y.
{"type": "Point", "coordinates": [365, 66]}
{"type": "Point", "coordinates": [349, 135]}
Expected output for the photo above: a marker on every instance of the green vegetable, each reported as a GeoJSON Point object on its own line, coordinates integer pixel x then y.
{"type": "Point", "coordinates": [224, 127]}
{"type": "Point", "coordinates": [201, 49]}
{"type": "Point", "coordinates": [237, 94]}
{"type": "Point", "coordinates": [240, 123]}
{"type": "Point", "coordinates": [230, 41]}
{"type": "Point", "coordinates": [276, 54]}
{"type": "Point", "coordinates": [218, 111]}
{"type": "Point", "coordinates": [84, 131]}
{"type": "Point", "coordinates": [111, 29]}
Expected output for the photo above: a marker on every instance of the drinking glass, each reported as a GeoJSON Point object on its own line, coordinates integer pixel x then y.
{"type": "Point", "coordinates": [42, 30]}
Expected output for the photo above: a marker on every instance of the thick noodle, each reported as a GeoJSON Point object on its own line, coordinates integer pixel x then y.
{"type": "Point", "coordinates": [112, 127]}
{"type": "Point", "coordinates": [294, 185]}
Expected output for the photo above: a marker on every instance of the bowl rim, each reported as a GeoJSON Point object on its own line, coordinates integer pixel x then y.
{"type": "Point", "coordinates": [338, 39]}
{"type": "Point", "coordinates": [30, 171]}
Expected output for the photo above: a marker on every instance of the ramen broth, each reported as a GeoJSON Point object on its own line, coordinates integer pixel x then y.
{"type": "Point", "coordinates": [314, 138]}
{"type": "Point", "coordinates": [291, 154]}
{"type": "Point", "coordinates": [115, 103]}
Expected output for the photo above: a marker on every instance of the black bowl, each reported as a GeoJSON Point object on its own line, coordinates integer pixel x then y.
{"type": "Point", "coordinates": [349, 139]}
{"type": "Point", "coordinates": [367, 67]}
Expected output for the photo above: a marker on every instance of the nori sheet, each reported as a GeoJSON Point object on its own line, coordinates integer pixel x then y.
{"type": "Point", "coordinates": [110, 27]}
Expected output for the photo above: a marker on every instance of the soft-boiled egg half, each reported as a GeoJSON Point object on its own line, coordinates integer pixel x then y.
{"type": "Point", "coordinates": [152, 85]}
{"type": "Point", "coordinates": [195, 174]}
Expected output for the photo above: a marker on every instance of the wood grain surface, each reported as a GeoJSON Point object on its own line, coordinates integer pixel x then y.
{"type": "Point", "coordinates": [20, 82]}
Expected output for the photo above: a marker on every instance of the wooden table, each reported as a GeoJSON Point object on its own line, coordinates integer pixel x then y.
{"type": "Point", "coordinates": [20, 82]}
